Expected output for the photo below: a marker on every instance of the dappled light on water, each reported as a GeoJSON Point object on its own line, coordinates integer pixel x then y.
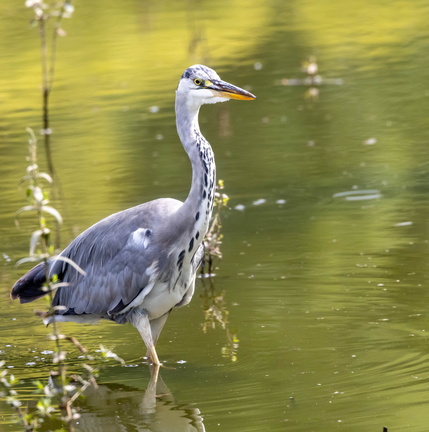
{"type": "Point", "coordinates": [358, 195]}
{"type": "Point", "coordinates": [316, 315]}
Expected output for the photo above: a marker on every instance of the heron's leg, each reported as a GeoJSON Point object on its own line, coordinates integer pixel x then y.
{"type": "Point", "coordinates": [141, 322]}
{"type": "Point", "coordinates": [157, 325]}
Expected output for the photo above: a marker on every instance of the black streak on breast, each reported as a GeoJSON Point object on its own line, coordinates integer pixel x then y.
{"type": "Point", "coordinates": [180, 259]}
{"type": "Point", "coordinates": [191, 244]}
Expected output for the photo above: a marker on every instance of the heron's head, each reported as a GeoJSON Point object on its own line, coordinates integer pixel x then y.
{"type": "Point", "coordinates": [202, 85]}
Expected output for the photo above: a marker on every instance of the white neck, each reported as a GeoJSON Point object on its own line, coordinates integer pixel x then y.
{"type": "Point", "coordinates": [196, 211]}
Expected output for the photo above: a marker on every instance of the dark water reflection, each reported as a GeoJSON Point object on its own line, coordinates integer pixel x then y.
{"type": "Point", "coordinates": [114, 407]}
{"type": "Point", "coordinates": [317, 317]}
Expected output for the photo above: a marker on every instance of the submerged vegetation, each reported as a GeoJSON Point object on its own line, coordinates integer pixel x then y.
{"type": "Point", "coordinates": [215, 307]}
{"type": "Point", "coordinates": [214, 236]}
{"type": "Point", "coordinates": [216, 315]}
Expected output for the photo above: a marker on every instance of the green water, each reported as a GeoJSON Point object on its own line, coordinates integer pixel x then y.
{"type": "Point", "coordinates": [323, 285]}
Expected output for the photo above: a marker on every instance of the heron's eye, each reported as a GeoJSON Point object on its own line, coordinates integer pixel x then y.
{"type": "Point", "coordinates": [198, 81]}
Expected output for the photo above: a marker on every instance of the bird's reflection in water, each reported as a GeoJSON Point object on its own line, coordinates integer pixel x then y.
{"type": "Point", "coordinates": [118, 407]}
{"type": "Point", "coordinates": [216, 315]}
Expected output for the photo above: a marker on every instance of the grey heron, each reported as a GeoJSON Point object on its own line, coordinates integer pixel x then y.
{"type": "Point", "coordinates": [140, 263]}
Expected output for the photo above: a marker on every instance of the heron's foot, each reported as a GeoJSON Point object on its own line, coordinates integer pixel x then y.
{"type": "Point", "coordinates": [152, 356]}
{"type": "Point", "coordinates": [153, 364]}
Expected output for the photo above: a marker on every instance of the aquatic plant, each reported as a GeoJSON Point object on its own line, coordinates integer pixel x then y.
{"type": "Point", "coordinates": [59, 394]}
{"type": "Point", "coordinates": [214, 236]}
{"type": "Point", "coordinates": [216, 315]}
{"type": "Point", "coordinates": [56, 398]}
{"type": "Point", "coordinates": [48, 19]}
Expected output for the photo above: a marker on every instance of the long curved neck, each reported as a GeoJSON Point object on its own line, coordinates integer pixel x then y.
{"type": "Point", "coordinates": [196, 211]}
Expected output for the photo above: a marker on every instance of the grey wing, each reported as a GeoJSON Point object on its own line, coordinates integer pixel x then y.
{"type": "Point", "coordinates": [120, 257]}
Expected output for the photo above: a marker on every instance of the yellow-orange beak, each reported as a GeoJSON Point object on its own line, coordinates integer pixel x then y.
{"type": "Point", "coordinates": [224, 89]}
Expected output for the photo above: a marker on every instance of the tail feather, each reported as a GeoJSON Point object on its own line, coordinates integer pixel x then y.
{"type": "Point", "coordinates": [29, 287]}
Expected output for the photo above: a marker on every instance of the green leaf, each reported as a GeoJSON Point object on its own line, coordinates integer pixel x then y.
{"type": "Point", "coordinates": [71, 262]}
{"type": "Point", "coordinates": [24, 179]}
{"type": "Point", "coordinates": [53, 212]}
{"type": "Point", "coordinates": [25, 209]}
{"type": "Point", "coordinates": [39, 385]}
{"type": "Point", "coordinates": [38, 194]}
{"type": "Point", "coordinates": [45, 176]}
{"type": "Point", "coordinates": [34, 241]}
{"type": "Point", "coordinates": [27, 260]}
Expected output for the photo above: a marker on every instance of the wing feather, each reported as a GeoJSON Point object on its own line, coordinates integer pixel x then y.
{"type": "Point", "coordinates": [115, 253]}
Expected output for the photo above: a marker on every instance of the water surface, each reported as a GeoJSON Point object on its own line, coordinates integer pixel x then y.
{"type": "Point", "coordinates": [323, 283]}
